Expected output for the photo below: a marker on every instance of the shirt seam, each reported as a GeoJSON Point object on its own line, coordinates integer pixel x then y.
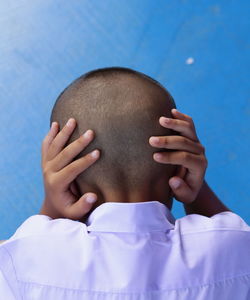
{"type": "Point", "coordinates": [144, 292]}
{"type": "Point", "coordinates": [214, 229]}
{"type": "Point", "coordinates": [132, 232]}
{"type": "Point", "coordinates": [15, 273]}
{"type": "Point", "coordinates": [7, 281]}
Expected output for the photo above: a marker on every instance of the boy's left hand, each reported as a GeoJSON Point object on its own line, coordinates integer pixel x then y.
{"type": "Point", "coordinates": [61, 197]}
{"type": "Point", "coordinates": [189, 154]}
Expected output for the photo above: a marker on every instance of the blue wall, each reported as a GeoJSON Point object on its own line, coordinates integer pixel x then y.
{"type": "Point", "coordinates": [46, 44]}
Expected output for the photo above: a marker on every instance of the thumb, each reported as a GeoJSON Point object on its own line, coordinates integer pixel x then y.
{"type": "Point", "coordinates": [82, 206]}
{"type": "Point", "coordinates": [181, 190]}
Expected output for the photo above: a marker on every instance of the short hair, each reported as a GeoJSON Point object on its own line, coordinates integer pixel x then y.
{"type": "Point", "coordinates": [122, 106]}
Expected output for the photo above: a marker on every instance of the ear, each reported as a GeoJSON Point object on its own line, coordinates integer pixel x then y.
{"type": "Point", "coordinates": [181, 172]}
{"type": "Point", "coordinates": [74, 189]}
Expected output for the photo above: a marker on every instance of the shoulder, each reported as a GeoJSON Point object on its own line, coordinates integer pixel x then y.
{"type": "Point", "coordinates": [225, 233]}
{"type": "Point", "coordinates": [43, 226]}
{"type": "Point", "coordinates": [226, 220]}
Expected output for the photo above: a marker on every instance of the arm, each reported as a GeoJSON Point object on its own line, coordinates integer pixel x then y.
{"type": "Point", "coordinates": [206, 203]}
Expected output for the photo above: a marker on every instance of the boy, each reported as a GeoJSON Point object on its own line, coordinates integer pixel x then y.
{"type": "Point", "coordinates": [127, 244]}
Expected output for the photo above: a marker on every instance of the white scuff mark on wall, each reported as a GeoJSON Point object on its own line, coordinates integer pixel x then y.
{"type": "Point", "coordinates": [190, 61]}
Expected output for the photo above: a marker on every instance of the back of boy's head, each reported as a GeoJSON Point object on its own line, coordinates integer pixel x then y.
{"type": "Point", "coordinates": [122, 107]}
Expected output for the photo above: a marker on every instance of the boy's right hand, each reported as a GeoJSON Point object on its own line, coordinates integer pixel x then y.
{"type": "Point", "coordinates": [189, 155]}
{"type": "Point", "coordinates": [62, 199]}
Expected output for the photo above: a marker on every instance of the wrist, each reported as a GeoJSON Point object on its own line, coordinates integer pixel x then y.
{"type": "Point", "coordinates": [191, 208]}
{"type": "Point", "coordinates": [202, 189]}
{"type": "Point", "coordinates": [206, 203]}
{"type": "Point", "coordinates": [48, 210]}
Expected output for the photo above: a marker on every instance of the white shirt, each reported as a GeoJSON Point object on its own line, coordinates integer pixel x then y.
{"type": "Point", "coordinates": [128, 251]}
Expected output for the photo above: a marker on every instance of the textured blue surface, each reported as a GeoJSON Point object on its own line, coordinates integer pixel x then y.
{"type": "Point", "coordinates": [46, 44]}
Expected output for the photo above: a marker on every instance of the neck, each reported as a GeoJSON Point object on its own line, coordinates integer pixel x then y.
{"type": "Point", "coordinates": [158, 192]}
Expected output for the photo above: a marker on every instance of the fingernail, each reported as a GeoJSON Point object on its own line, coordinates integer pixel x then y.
{"type": "Point", "coordinates": [87, 134]}
{"type": "Point", "coordinates": [53, 125]}
{"type": "Point", "coordinates": [95, 153]}
{"type": "Point", "coordinates": [154, 139]}
{"type": "Point", "coordinates": [166, 120]}
{"type": "Point", "coordinates": [175, 183]}
{"type": "Point", "coordinates": [157, 156]}
{"type": "Point", "coordinates": [91, 199]}
{"type": "Point", "coordinates": [70, 122]}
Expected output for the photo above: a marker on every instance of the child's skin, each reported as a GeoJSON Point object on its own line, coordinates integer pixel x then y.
{"type": "Point", "coordinates": [61, 199]}
{"type": "Point", "coordinates": [60, 193]}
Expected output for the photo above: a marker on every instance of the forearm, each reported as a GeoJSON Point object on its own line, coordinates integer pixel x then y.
{"type": "Point", "coordinates": [206, 203]}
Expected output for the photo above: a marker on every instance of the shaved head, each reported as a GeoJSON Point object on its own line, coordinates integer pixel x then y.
{"type": "Point", "coordinates": [122, 107]}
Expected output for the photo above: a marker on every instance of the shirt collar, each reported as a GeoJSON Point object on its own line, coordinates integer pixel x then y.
{"type": "Point", "coordinates": [131, 217]}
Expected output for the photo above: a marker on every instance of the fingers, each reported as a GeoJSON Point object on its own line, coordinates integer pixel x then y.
{"type": "Point", "coordinates": [60, 140]}
{"type": "Point", "coordinates": [184, 124]}
{"type": "Point", "coordinates": [68, 154]}
{"type": "Point", "coordinates": [48, 139]}
{"type": "Point", "coordinates": [181, 190]}
{"type": "Point", "coordinates": [71, 171]}
{"type": "Point", "coordinates": [176, 142]}
{"type": "Point", "coordinates": [186, 159]}
{"type": "Point", "coordinates": [177, 114]}
{"type": "Point", "coordinates": [81, 207]}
